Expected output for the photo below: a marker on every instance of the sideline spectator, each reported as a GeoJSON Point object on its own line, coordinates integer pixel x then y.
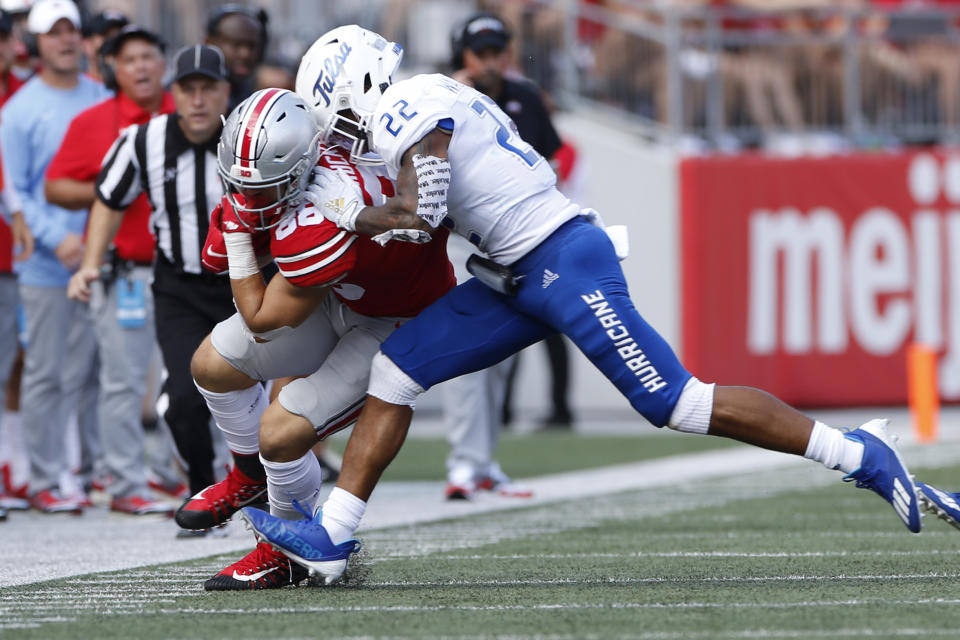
{"type": "Point", "coordinates": [241, 34]}
{"type": "Point", "coordinates": [61, 363]}
{"type": "Point", "coordinates": [16, 243]}
{"type": "Point", "coordinates": [97, 30]}
{"type": "Point", "coordinates": [122, 306]}
{"type": "Point", "coordinates": [276, 73]}
{"type": "Point", "coordinates": [484, 58]}
{"type": "Point", "coordinates": [24, 58]}
{"type": "Point", "coordinates": [761, 75]}
{"type": "Point", "coordinates": [473, 403]}
{"type": "Point", "coordinates": [173, 159]}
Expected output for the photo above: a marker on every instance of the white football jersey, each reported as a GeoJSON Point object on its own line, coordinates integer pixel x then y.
{"type": "Point", "coordinates": [502, 195]}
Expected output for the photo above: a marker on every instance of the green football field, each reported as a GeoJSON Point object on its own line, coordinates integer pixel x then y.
{"type": "Point", "coordinates": [793, 554]}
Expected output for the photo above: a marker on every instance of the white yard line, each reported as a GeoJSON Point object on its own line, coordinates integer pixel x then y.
{"type": "Point", "coordinates": [700, 554]}
{"type": "Point", "coordinates": [759, 634]}
{"type": "Point", "coordinates": [47, 547]}
{"type": "Point", "coordinates": [565, 606]}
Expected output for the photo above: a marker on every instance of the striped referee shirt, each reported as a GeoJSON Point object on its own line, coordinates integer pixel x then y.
{"type": "Point", "coordinates": [179, 178]}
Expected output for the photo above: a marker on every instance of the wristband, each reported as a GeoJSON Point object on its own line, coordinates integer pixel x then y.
{"type": "Point", "coordinates": [433, 180]}
{"type": "Point", "coordinates": [241, 258]}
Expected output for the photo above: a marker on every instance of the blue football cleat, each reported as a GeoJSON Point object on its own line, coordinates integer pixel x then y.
{"type": "Point", "coordinates": [304, 541]}
{"type": "Point", "coordinates": [945, 506]}
{"type": "Point", "coordinates": [884, 472]}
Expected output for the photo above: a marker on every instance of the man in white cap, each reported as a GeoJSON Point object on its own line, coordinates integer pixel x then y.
{"type": "Point", "coordinates": [60, 368]}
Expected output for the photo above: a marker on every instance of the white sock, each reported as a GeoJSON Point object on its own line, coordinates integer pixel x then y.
{"type": "Point", "coordinates": [829, 446]}
{"type": "Point", "coordinates": [341, 514]}
{"type": "Point", "coordinates": [287, 481]}
{"type": "Point", "coordinates": [237, 414]}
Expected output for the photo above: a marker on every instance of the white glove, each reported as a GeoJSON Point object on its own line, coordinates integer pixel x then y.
{"type": "Point", "coordinates": [617, 233]}
{"type": "Point", "coordinates": [336, 196]}
{"type": "Point", "coordinates": [621, 241]}
{"type": "Point", "coordinates": [415, 236]}
{"type": "Point", "coordinates": [593, 217]}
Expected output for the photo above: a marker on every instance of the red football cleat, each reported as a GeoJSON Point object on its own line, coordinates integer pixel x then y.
{"type": "Point", "coordinates": [215, 504]}
{"type": "Point", "coordinates": [262, 568]}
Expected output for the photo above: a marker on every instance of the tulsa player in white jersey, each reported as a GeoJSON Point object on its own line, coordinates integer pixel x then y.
{"type": "Point", "coordinates": [457, 161]}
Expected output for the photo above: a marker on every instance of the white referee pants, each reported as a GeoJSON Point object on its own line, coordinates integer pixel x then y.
{"type": "Point", "coordinates": [472, 407]}
{"type": "Point", "coordinates": [473, 403]}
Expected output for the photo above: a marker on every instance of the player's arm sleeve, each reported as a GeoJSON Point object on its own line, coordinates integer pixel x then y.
{"type": "Point", "coordinates": [16, 152]}
{"type": "Point", "coordinates": [420, 203]}
{"type": "Point", "coordinates": [119, 182]}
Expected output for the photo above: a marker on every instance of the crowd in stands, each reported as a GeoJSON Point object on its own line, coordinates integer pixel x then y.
{"type": "Point", "coordinates": [870, 71]}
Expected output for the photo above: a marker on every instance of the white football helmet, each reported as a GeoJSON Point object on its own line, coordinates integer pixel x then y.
{"type": "Point", "coordinates": [269, 146]}
{"type": "Point", "coordinates": [342, 76]}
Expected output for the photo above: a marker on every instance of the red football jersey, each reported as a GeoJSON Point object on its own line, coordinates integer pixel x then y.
{"type": "Point", "coordinates": [400, 279]}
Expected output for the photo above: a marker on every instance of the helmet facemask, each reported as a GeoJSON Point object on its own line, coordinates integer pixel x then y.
{"type": "Point", "coordinates": [261, 204]}
{"type": "Point", "coordinates": [352, 133]}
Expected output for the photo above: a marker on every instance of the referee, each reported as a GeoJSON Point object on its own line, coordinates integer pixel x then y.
{"type": "Point", "coordinates": [173, 159]}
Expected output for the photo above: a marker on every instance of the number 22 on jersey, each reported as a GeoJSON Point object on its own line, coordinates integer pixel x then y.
{"type": "Point", "coordinates": [394, 129]}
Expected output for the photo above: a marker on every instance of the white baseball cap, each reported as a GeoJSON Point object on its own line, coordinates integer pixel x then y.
{"type": "Point", "coordinates": [16, 6]}
{"type": "Point", "coordinates": [46, 13]}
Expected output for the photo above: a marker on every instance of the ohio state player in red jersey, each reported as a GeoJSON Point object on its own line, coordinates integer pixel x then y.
{"type": "Point", "coordinates": [321, 319]}
{"type": "Point", "coordinates": [364, 277]}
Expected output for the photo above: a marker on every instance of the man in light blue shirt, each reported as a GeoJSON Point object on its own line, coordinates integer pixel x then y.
{"type": "Point", "coordinates": [60, 371]}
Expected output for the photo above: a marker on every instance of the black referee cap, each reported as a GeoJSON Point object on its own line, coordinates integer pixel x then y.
{"type": "Point", "coordinates": [201, 59]}
{"type": "Point", "coordinates": [485, 31]}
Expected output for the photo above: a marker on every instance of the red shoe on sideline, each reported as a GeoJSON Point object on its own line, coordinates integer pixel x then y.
{"type": "Point", "coordinates": [215, 504]}
{"type": "Point", "coordinates": [139, 506]}
{"type": "Point", "coordinates": [50, 501]}
{"type": "Point", "coordinates": [174, 490]}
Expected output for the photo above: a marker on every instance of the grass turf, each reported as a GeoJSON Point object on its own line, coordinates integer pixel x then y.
{"type": "Point", "coordinates": [541, 453]}
{"type": "Point", "coordinates": [786, 555]}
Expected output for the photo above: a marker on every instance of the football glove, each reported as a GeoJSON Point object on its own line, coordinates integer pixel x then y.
{"type": "Point", "coordinates": [415, 236]}
{"type": "Point", "coordinates": [616, 232]}
{"type": "Point", "coordinates": [337, 196]}
{"type": "Point", "coordinates": [223, 219]}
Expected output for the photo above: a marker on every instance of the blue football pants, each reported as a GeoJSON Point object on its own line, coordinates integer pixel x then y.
{"type": "Point", "coordinates": [571, 283]}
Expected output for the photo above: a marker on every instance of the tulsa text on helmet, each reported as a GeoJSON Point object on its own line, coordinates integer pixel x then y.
{"type": "Point", "coordinates": [332, 67]}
